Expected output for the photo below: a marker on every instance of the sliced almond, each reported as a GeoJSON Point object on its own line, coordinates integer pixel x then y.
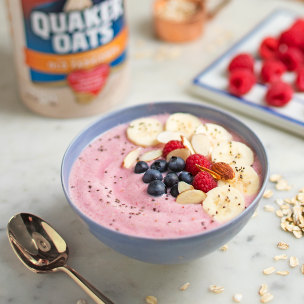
{"type": "Point", "coordinates": [151, 155]}
{"type": "Point", "coordinates": [293, 262]}
{"type": "Point", "coordinates": [201, 144]}
{"type": "Point", "coordinates": [283, 245]}
{"type": "Point", "coordinates": [280, 257]}
{"type": "Point", "coordinates": [269, 270]}
{"type": "Point", "coordinates": [191, 197]}
{"type": "Point", "coordinates": [187, 144]}
{"type": "Point", "coordinates": [283, 272]}
{"type": "Point", "coordinates": [183, 186]}
{"type": "Point", "coordinates": [183, 153]}
{"type": "Point", "coordinates": [185, 286]}
{"type": "Point", "coordinates": [131, 158]}
{"type": "Point", "coordinates": [166, 136]}
{"type": "Point", "coordinates": [216, 289]}
{"type": "Point", "coordinates": [263, 289]}
{"type": "Point", "coordinates": [212, 173]}
{"type": "Point", "coordinates": [151, 300]}
{"type": "Point", "coordinates": [275, 178]}
{"type": "Point", "coordinates": [267, 297]}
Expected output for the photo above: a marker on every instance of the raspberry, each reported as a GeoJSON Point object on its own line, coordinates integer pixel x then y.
{"type": "Point", "coordinates": [298, 24]}
{"type": "Point", "coordinates": [300, 79]}
{"type": "Point", "coordinates": [272, 70]}
{"type": "Point", "coordinates": [292, 37]}
{"type": "Point", "coordinates": [268, 48]}
{"type": "Point", "coordinates": [292, 58]}
{"type": "Point", "coordinates": [204, 181]}
{"type": "Point", "coordinates": [279, 94]}
{"type": "Point", "coordinates": [196, 159]}
{"type": "Point", "coordinates": [241, 81]}
{"type": "Point", "coordinates": [172, 145]}
{"type": "Point", "coordinates": [241, 61]}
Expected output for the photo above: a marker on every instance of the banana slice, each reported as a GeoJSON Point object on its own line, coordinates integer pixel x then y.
{"type": "Point", "coordinates": [224, 203]}
{"type": "Point", "coordinates": [143, 131]}
{"type": "Point", "coordinates": [166, 136]}
{"type": "Point", "coordinates": [246, 180]}
{"type": "Point", "coordinates": [183, 122]}
{"type": "Point", "coordinates": [217, 134]}
{"type": "Point", "coordinates": [233, 153]}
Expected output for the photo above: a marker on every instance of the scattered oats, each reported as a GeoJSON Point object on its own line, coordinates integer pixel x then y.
{"type": "Point", "coordinates": [300, 197]}
{"type": "Point", "coordinates": [216, 289]}
{"type": "Point", "coordinates": [302, 268]}
{"type": "Point", "coordinates": [287, 227]}
{"type": "Point", "coordinates": [263, 289]}
{"type": "Point", "coordinates": [151, 300]}
{"type": "Point", "coordinates": [293, 200]}
{"type": "Point", "coordinates": [268, 208]}
{"type": "Point", "coordinates": [287, 200]}
{"type": "Point", "coordinates": [297, 234]}
{"type": "Point", "coordinates": [267, 297]}
{"type": "Point", "coordinates": [255, 213]}
{"type": "Point", "coordinates": [185, 286]}
{"type": "Point", "coordinates": [81, 301]}
{"type": "Point", "coordinates": [283, 245]}
{"type": "Point", "coordinates": [224, 248]}
{"type": "Point", "coordinates": [275, 178]}
{"type": "Point", "coordinates": [280, 257]}
{"type": "Point", "coordinates": [237, 297]}
{"type": "Point", "coordinates": [279, 201]}
{"type": "Point", "coordinates": [285, 206]}
{"type": "Point", "coordinates": [293, 262]}
{"type": "Point", "coordinates": [269, 270]}
{"type": "Point", "coordinates": [268, 194]}
{"type": "Point", "coordinates": [283, 272]}
{"type": "Point", "coordinates": [279, 213]}
{"type": "Point", "coordinates": [282, 185]}
{"type": "Point", "coordinates": [286, 211]}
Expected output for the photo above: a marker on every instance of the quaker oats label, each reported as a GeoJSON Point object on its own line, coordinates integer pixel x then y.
{"type": "Point", "coordinates": [74, 45]}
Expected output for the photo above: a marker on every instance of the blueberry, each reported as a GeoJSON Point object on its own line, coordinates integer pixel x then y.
{"type": "Point", "coordinates": [157, 188]}
{"type": "Point", "coordinates": [141, 167]}
{"type": "Point", "coordinates": [186, 177]}
{"type": "Point", "coordinates": [171, 179]}
{"type": "Point", "coordinates": [161, 165]}
{"type": "Point", "coordinates": [174, 190]}
{"type": "Point", "coordinates": [151, 175]}
{"type": "Point", "coordinates": [176, 164]}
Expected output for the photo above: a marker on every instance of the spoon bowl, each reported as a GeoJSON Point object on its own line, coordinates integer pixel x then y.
{"type": "Point", "coordinates": [42, 250]}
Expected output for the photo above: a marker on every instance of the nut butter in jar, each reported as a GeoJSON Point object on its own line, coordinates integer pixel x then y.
{"type": "Point", "coordinates": [70, 55]}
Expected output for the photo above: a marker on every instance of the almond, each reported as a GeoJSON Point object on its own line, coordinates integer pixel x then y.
{"type": "Point", "coordinates": [191, 197]}
{"type": "Point", "coordinates": [183, 153]}
{"type": "Point", "coordinates": [224, 170]}
{"type": "Point", "coordinates": [212, 173]}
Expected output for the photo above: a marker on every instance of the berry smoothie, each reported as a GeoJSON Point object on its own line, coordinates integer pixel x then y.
{"type": "Point", "coordinates": [117, 198]}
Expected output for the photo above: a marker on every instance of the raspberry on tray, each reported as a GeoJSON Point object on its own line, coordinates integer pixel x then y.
{"type": "Point", "coordinates": [300, 79]}
{"type": "Point", "coordinates": [242, 61]}
{"type": "Point", "coordinates": [272, 70]}
{"type": "Point", "coordinates": [292, 58]}
{"type": "Point", "coordinates": [241, 81]}
{"type": "Point", "coordinates": [279, 94]}
{"type": "Point", "coordinates": [268, 48]}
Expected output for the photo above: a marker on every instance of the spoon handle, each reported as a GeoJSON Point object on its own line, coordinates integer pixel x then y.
{"type": "Point", "coordinates": [95, 294]}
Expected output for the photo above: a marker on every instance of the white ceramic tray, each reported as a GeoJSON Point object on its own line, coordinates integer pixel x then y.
{"type": "Point", "coordinates": [212, 82]}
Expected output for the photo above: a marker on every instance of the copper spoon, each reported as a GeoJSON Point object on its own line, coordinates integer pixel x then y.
{"type": "Point", "coordinates": [42, 250]}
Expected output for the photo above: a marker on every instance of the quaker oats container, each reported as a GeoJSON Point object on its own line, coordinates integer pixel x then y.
{"type": "Point", "coordinates": [70, 55]}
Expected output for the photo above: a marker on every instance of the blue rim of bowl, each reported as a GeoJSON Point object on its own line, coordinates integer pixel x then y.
{"type": "Point", "coordinates": [253, 205]}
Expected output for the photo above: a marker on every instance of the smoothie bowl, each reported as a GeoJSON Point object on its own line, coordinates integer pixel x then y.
{"type": "Point", "coordinates": [167, 182]}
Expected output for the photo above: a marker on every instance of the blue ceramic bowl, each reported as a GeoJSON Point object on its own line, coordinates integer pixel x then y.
{"type": "Point", "coordinates": [164, 250]}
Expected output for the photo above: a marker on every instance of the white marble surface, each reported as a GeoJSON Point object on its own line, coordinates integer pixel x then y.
{"type": "Point", "coordinates": [30, 156]}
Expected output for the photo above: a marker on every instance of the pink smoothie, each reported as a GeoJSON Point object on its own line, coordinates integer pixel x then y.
{"type": "Point", "coordinates": [117, 198]}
